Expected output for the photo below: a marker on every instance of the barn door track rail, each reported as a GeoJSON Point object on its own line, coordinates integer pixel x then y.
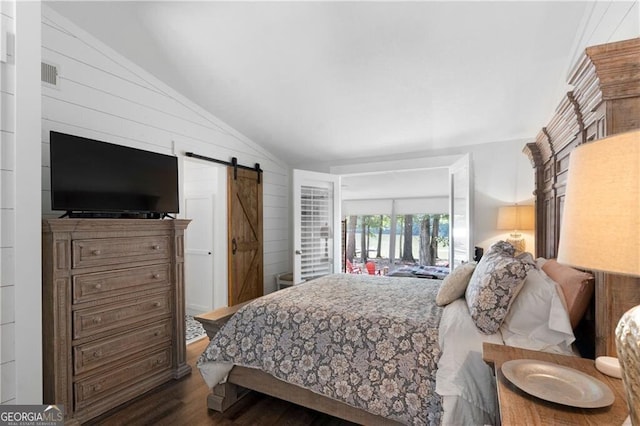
{"type": "Point", "coordinates": [233, 163]}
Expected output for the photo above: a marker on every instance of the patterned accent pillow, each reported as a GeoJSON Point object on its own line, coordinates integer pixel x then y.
{"type": "Point", "coordinates": [527, 258]}
{"type": "Point", "coordinates": [455, 284]}
{"type": "Point", "coordinates": [494, 285]}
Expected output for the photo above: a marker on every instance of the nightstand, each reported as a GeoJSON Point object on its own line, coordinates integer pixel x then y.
{"type": "Point", "coordinates": [517, 407]}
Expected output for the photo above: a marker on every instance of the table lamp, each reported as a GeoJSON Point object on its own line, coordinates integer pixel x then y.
{"type": "Point", "coordinates": [515, 219]}
{"type": "Point", "coordinates": [602, 210]}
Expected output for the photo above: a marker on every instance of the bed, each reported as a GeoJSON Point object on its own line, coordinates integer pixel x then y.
{"type": "Point", "coordinates": [380, 350]}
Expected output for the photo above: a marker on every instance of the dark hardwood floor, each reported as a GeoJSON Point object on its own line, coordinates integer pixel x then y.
{"type": "Point", "coordinates": [183, 402]}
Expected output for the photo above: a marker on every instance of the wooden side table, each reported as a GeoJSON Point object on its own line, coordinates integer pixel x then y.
{"type": "Point", "coordinates": [518, 407]}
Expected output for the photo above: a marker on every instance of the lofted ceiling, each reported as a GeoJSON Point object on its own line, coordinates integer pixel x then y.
{"type": "Point", "coordinates": [339, 81]}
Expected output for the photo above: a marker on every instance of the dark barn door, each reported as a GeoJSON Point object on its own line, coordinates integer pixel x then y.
{"type": "Point", "coordinates": [246, 278]}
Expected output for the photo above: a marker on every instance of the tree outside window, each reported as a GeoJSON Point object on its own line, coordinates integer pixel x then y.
{"type": "Point", "coordinates": [421, 239]}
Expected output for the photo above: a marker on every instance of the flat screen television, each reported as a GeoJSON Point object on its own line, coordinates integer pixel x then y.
{"type": "Point", "coordinates": [90, 177]}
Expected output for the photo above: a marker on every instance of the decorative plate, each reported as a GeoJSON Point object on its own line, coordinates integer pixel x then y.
{"type": "Point", "coordinates": [559, 384]}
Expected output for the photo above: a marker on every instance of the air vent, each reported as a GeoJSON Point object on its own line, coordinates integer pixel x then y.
{"type": "Point", "coordinates": [49, 73]}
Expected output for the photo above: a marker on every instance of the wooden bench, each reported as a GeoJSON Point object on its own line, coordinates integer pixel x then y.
{"type": "Point", "coordinates": [223, 395]}
{"type": "Point", "coordinates": [213, 321]}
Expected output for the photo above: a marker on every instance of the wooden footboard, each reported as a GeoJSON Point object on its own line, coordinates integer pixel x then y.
{"type": "Point", "coordinates": [242, 379]}
{"type": "Point", "coordinates": [262, 382]}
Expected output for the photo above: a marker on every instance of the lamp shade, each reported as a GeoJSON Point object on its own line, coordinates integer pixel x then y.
{"type": "Point", "coordinates": [601, 217]}
{"type": "Point", "coordinates": [515, 218]}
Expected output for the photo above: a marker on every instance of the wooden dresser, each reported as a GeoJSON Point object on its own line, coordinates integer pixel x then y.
{"type": "Point", "coordinates": [113, 311]}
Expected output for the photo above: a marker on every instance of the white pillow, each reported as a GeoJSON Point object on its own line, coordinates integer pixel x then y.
{"type": "Point", "coordinates": [455, 284]}
{"type": "Point", "coordinates": [538, 319]}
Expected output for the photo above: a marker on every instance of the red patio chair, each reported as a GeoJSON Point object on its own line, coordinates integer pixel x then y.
{"type": "Point", "coordinates": [353, 269]}
{"type": "Point", "coordinates": [371, 268]}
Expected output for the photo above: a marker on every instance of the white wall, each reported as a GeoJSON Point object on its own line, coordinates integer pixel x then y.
{"type": "Point", "coordinates": [20, 270]}
{"type": "Point", "coordinates": [502, 175]}
{"type": "Point", "coordinates": [28, 235]}
{"type": "Point", "coordinates": [104, 96]}
{"type": "Point", "coordinates": [604, 22]}
{"type": "Point", "coordinates": [7, 215]}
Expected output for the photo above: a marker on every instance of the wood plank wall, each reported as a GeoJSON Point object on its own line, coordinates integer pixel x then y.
{"type": "Point", "coordinates": [104, 96]}
{"type": "Point", "coordinates": [7, 215]}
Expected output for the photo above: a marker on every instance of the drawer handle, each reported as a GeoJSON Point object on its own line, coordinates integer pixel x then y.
{"type": "Point", "coordinates": [96, 252]}
{"type": "Point", "coordinates": [156, 334]}
{"type": "Point", "coordinates": [156, 247]}
{"type": "Point", "coordinates": [97, 354]}
{"type": "Point", "coordinates": [96, 388]}
{"type": "Point", "coordinates": [98, 286]}
{"type": "Point", "coordinates": [156, 276]}
{"type": "Point", "coordinates": [97, 320]}
{"type": "Point", "coordinates": [157, 304]}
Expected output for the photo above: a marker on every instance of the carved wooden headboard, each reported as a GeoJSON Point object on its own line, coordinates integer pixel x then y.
{"type": "Point", "coordinates": [605, 100]}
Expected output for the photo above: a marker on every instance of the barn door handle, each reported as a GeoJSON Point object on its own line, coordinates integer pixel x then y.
{"type": "Point", "coordinates": [234, 246]}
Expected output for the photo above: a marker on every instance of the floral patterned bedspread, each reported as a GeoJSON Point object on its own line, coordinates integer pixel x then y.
{"type": "Point", "coordinates": [368, 341]}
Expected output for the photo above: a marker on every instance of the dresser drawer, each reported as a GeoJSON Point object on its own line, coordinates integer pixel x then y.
{"type": "Point", "coordinates": [107, 284]}
{"type": "Point", "coordinates": [98, 354]}
{"type": "Point", "coordinates": [99, 387]}
{"type": "Point", "coordinates": [99, 319]}
{"type": "Point", "coordinates": [112, 251]}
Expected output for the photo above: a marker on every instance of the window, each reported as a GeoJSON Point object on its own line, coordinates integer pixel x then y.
{"type": "Point", "coordinates": [414, 239]}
